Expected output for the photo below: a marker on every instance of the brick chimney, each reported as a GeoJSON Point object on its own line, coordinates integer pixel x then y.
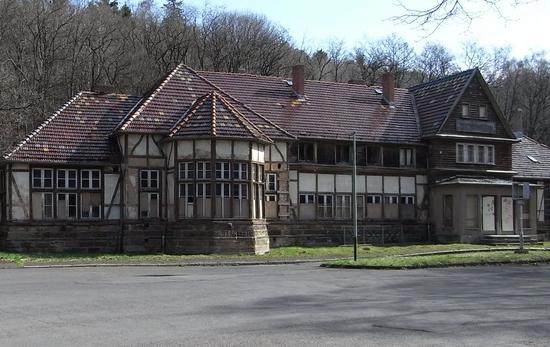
{"type": "Point", "coordinates": [388, 87]}
{"type": "Point", "coordinates": [298, 80]}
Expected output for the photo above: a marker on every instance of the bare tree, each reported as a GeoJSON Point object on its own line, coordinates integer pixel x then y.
{"type": "Point", "coordinates": [434, 61]}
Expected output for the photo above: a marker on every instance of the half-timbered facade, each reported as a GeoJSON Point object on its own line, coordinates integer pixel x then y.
{"type": "Point", "coordinates": [219, 162]}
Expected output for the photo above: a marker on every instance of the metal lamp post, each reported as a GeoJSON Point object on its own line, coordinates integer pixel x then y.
{"type": "Point", "coordinates": [354, 198]}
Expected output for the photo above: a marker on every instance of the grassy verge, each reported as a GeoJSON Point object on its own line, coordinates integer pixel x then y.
{"type": "Point", "coordinates": [276, 254]}
{"type": "Point", "coordinates": [459, 259]}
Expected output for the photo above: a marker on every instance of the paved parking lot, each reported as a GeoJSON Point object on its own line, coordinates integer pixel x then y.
{"type": "Point", "coordinates": [275, 305]}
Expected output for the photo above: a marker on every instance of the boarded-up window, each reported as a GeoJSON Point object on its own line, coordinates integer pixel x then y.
{"type": "Point", "coordinates": [42, 206]}
{"type": "Point", "coordinates": [149, 205]}
{"type": "Point", "coordinates": [448, 210]}
{"type": "Point", "coordinates": [472, 211]}
{"type": "Point", "coordinates": [90, 205]}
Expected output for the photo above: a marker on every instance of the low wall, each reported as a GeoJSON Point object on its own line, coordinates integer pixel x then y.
{"type": "Point", "coordinates": [331, 233]}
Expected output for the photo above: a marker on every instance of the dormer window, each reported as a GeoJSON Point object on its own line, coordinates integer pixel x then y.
{"type": "Point", "coordinates": [482, 112]}
{"type": "Point", "coordinates": [465, 110]}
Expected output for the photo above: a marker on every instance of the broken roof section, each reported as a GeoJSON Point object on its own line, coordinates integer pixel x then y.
{"type": "Point", "coordinates": [436, 99]}
{"type": "Point", "coordinates": [212, 115]}
{"type": "Point", "coordinates": [77, 132]}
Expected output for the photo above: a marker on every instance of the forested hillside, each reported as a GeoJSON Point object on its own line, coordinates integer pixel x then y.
{"type": "Point", "coordinates": [51, 49]}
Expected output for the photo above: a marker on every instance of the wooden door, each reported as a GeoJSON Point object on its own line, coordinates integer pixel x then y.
{"type": "Point", "coordinates": [488, 212]}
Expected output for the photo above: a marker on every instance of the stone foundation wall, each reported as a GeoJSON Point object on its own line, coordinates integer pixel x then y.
{"type": "Point", "coordinates": [332, 233]}
{"type": "Point", "coordinates": [204, 237]}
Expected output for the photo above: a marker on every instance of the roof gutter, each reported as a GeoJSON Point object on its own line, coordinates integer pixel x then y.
{"type": "Point", "coordinates": [473, 137]}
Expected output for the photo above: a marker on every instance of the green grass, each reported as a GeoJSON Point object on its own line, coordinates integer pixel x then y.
{"type": "Point", "coordinates": [458, 259]}
{"type": "Point", "coordinates": [276, 254]}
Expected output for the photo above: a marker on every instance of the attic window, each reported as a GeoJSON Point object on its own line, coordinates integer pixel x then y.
{"type": "Point", "coordinates": [465, 110]}
{"type": "Point", "coordinates": [483, 112]}
{"type": "Point", "coordinates": [533, 159]}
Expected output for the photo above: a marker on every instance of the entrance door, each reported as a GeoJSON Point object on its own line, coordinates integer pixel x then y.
{"type": "Point", "coordinates": [507, 207]}
{"type": "Point", "coordinates": [488, 210]}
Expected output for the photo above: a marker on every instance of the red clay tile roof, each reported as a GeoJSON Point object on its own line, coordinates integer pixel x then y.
{"type": "Point", "coordinates": [212, 115]}
{"type": "Point", "coordinates": [78, 132]}
{"type": "Point", "coordinates": [162, 108]}
{"type": "Point", "coordinates": [330, 110]}
{"type": "Point", "coordinates": [531, 159]}
{"type": "Point", "coordinates": [435, 99]}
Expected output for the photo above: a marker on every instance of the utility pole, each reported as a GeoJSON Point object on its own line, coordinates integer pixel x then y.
{"type": "Point", "coordinates": [354, 198]}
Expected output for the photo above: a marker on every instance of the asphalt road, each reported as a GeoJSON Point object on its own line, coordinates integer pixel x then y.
{"type": "Point", "coordinates": [294, 305]}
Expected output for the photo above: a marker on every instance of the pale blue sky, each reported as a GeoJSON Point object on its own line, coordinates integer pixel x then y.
{"type": "Point", "coordinates": [313, 22]}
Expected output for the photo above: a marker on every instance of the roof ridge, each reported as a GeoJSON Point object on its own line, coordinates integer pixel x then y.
{"type": "Point", "coordinates": [187, 115]}
{"type": "Point", "coordinates": [42, 125]}
{"type": "Point", "coordinates": [441, 79]}
{"type": "Point", "coordinates": [126, 122]}
{"type": "Point", "coordinates": [240, 102]}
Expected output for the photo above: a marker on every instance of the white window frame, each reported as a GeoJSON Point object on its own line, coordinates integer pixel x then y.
{"type": "Point", "coordinates": [240, 171]}
{"type": "Point", "coordinates": [376, 199]}
{"type": "Point", "coordinates": [465, 107]}
{"type": "Point", "coordinates": [324, 209]}
{"type": "Point", "coordinates": [51, 206]}
{"type": "Point", "coordinates": [223, 170]}
{"type": "Point", "coordinates": [483, 115]}
{"type": "Point", "coordinates": [149, 180]}
{"type": "Point", "coordinates": [66, 172]}
{"type": "Point", "coordinates": [187, 196]}
{"type": "Point", "coordinates": [186, 170]}
{"type": "Point", "coordinates": [43, 178]}
{"type": "Point", "coordinates": [406, 157]}
{"type": "Point", "coordinates": [391, 199]}
{"type": "Point", "coordinates": [204, 171]}
{"type": "Point", "coordinates": [90, 179]}
{"type": "Point", "coordinates": [309, 198]}
{"type": "Point", "coordinates": [464, 158]}
{"type": "Point", "coordinates": [407, 199]}
{"type": "Point", "coordinates": [343, 210]}
{"type": "Point", "coordinates": [271, 182]}
{"type": "Point", "coordinates": [271, 197]}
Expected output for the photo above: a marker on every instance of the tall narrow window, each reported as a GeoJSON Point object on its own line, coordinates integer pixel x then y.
{"type": "Point", "coordinates": [240, 171]}
{"type": "Point", "coordinates": [223, 205]}
{"type": "Point", "coordinates": [465, 110]}
{"type": "Point", "coordinates": [42, 205]}
{"type": "Point", "coordinates": [204, 200]}
{"type": "Point", "coordinates": [187, 200]}
{"type": "Point", "coordinates": [470, 153]}
{"type": "Point", "coordinates": [90, 205]}
{"type": "Point", "coordinates": [240, 200]}
{"type": "Point", "coordinates": [149, 179]}
{"type": "Point", "coordinates": [483, 112]}
{"type": "Point", "coordinates": [472, 211]}
{"type": "Point", "coordinates": [271, 183]}
{"type": "Point", "coordinates": [448, 210]}
{"type": "Point", "coordinates": [406, 157]}
{"type": "Point", "coordinates": [149, 205]}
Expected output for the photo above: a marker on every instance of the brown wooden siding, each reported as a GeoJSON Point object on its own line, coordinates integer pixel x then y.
{"type": "Point", "coordinates": [443, 155]}
{"type": "Point", "coordinates": [475, 97]}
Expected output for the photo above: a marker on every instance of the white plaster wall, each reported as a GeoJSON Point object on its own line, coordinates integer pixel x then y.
{"type": "Point", "coordinates": [255, 154]}
{"type": "Point", "coordinates": [407, 185]}
{"type": "Point", "coordinates": [307, 182]}
{"type": "Point", "coordinates": [325, 183]}
{"type": "Point", "coordinates": [242, 150]}
{"type": "Point", "coordinates": [275, 155]}
{"type": "Point", "coordinates": [203, 149]}
{"type": "Point", "coordinates": [185, 149]}
{"type": "Point", "coordinates": [153, 147]}
{"type": "Point", "coordinates": [223, 149]}
{"type": "Point", "coordinates": [343, 183]}
{"type": "Point", "coordinates": [293, 174]}
{"type": "Point", "coordinates": [109, 190]}
{"type": "Point", "coordinates": [293, 192]}
{"type": "Point", "coordinates": [360, 184]}
{"type": "Point", "coordinates": [374, 184]}
{"type": "Point", "coordinates": [141, 148]}
{"type": "Point", "coordinates": [20, 207]}
{"type": "Point", "coordinates": [261, 153]}
{"type": "Point", "coordinates": [391, 184]}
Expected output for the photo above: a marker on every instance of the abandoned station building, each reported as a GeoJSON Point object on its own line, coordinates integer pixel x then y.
{"type": "Point", "coordinates": [219, 162]}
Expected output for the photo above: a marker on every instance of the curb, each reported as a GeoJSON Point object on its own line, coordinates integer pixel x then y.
{"type": "Point", "coordinates": [374, 267]}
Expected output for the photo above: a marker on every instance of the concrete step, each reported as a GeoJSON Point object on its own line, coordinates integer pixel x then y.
{"type": "Point", "coordinates": [509, 239]}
